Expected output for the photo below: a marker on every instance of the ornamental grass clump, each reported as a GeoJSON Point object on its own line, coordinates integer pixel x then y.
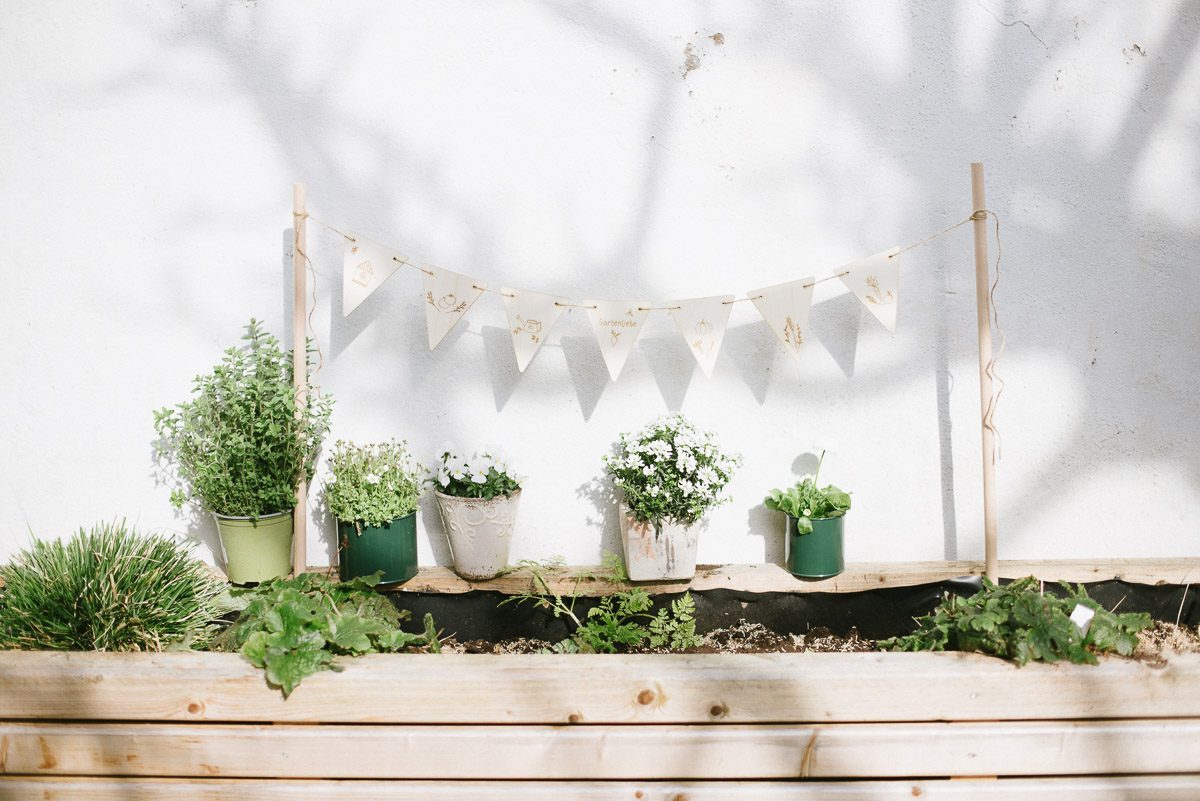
{"type": "Point", "coordinates": [372, 485]}
{"type": "Point", "coordinates": [671, 471]}
{"type": "Point", "coordinates": [108, 588]}
{"type": "Point", "coordinates": [239, 445]}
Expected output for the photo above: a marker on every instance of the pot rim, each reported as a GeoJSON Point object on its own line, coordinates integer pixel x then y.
{"type": "Point", "coordinates": [339, 521]}
{"type": "Point", "coordinates": [269, 516]}
{"type": "Point", "coordinates": [439, 494]}
{"type": "Point", "coordinates": [624, 510]}
{"type": "Point", "coordinates": [815, 519]}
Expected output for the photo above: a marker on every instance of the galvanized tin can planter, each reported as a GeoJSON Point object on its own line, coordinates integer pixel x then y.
{"type": "Point", "coordinates": [256, 550]}
{"type": "Point", "coordinates": [390, 549]}
{"type": "Point", "coordinates": [479, 532]}
{"type": "Point", "coordinates": [657, 551]}
{"type": "Point", "coordinates": [818, 554]}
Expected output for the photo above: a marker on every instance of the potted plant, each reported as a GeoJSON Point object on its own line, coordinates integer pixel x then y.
{"type": "Point", "coordinates": [241, 446]}
{"type": "Point", "coordinates": [668, 474]}
{"type": "Point", "coordinates": [477, 497]}
{"type": "Point", "coordinates": [372, 492]}
{"type": "Point", "coordinates": [815, 525]}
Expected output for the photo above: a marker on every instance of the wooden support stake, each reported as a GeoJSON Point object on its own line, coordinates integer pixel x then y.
{"type": "Point", "coordinates": [299, 362]}
{"type": "Point", "coordinates": [986, 398]}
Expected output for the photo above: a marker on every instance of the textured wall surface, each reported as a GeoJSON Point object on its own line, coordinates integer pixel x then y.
{"type": "Point", "coordinates": [621, 150]}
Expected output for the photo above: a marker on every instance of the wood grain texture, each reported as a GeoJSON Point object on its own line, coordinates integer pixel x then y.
{"type": "Point", "coordinates": [846, 750]}
{"type": "Point", "coordinates": [675, 688]}
{"type": "Point", "coordinates": [1125, 788]}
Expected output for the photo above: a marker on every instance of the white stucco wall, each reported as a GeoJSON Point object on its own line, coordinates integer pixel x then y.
{"type": "Point", "coordinates": [149, 149]}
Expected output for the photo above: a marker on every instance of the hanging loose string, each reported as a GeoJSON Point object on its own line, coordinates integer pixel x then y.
{"type": "Point", "coordinates": [312, 271]}
{"type": "Point", "coordinates": [989, 414]}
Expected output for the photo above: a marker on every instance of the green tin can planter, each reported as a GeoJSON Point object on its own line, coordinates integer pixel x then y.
{"type": "Point", "coordinates": [817, 555]}
{"type": "Point", "coordinates": [256, 550]}
{"type": "Point", "coordinates": [392, 549]}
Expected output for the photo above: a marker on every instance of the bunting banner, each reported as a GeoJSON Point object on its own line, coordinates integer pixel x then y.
{"type": "Point", "coordinates": [365, 266]}
{"type": "Point", "coordinates": [617, 324]}
{"type": "Point", "coordinates": [876, 282]}
{"type": "Point", "coordinates": [531, 315]}
{"type": "Point", "coordinates": [448, 296]}
{"type": "Point", "coordinates": [785, 307]}
{"type": "Point", "coordinates": [702, 322]}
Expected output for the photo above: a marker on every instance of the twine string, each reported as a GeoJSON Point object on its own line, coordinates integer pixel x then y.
{"type": "Point", "coordinates": [989, 415]}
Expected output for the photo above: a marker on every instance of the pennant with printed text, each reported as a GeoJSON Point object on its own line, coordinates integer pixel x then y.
{"type": "Point", "coordinates": [702, 321]}
{"type": "Point", "coordinates": [785, 307]}
{"type": "Point", "coordinates": [876, 282]}
{"type": "Point", "coordinates": [531, 315]}
{"type": "Point", "coordinates": [448, 296]}
{"type": "Point", "coordinates": [365, 266]}
{"type": "Point", "coordinates": [617, 324]}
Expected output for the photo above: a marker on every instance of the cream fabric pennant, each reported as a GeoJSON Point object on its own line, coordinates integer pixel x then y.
{"type": "Point", "coordinates": [365, 266]}
{"type": "Point", "coordinates": [448, 296]}
{"type": "Point", "coordinates": [876, 282]}
{"type": "Point", "coordinates": [702, 321]}
{"type": "Point", "coordinates": [617, 324]}
{"type": "Point", "coordinates": [531, 315]}
{"type": "Point", "coordinates": [785, 307]}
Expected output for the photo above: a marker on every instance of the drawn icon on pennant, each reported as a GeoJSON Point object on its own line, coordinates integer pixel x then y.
{"type": "Point", "coordinates": [448, 303]}
{"type": "Point", "coordinates": [617, 324]}
{"type": "Point", "coordinates": [704, 328]}
{"type": "Point", "coordinates": [876, 296]}
{"type": "Point", "coordinates": [875, 281]}
{"type": "Point", "coordinates": [365, 266]}
{"type": "Point", "coordinates": [363, 274]}
{"type": "Point", "coordinates": [531, 315]}
{"type": "Point", "coordinates": [614, 337]}
{"type": "Point", "coordinates": [702, 322]}
{"type": "Point", "coordinates": [448, 296]}
{"type": "Point", "coordinates": [792, 336]}
{"type": "Point", "coordinates": [785, 307]}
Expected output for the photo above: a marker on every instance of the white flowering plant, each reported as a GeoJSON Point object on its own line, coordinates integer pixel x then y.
{"type": "Point", "coordinates": [484, 474]}
{"type": "Point", "coordinates": [372, 484]}
{"type": "Point", "coordinates": [671, 471]}
{"type": "Point", "coordinates": [807, 502]}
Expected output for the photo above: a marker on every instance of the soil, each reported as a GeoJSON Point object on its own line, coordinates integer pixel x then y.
{"type": "Point", "coordinates": [1157, 644]}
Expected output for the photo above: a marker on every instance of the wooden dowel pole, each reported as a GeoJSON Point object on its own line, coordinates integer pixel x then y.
{"type": "Point", "coordinates": [984, 320]}
{"type": "Point", "coordinates": [299, 361]}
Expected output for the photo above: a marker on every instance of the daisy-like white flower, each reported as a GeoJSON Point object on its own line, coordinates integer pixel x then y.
{"type": "Point", "coordinates": [372, 478]}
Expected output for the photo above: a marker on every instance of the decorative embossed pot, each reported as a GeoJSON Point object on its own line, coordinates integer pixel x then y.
{"type": "Point", "coordinates": [657, 551]}
{"type": "Point", "coordinates": [479, 531]}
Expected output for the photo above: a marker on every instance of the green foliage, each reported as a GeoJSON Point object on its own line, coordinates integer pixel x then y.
{"type": "Point", "coordinates": [1018, 622]}
{"type": "Point", "coordinates": [239, 445]}
{"type": "Point", "coordinates": [670, 471]}
{"type": "Point", "coordinates": [293, 628]}
{"type": "Point", "coordinates": [485, 474]}
{"type": "Point", "coordinates": [621, 620]}
{"type": "Point", "coordinates": [807, 502]}
{"type": "Point", "coordinates": [108, 589]}
{"type": "Point", "coordinates": [372, 484]}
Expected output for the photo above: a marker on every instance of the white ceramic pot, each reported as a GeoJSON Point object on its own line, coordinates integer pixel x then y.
{"type": "Point", "coordinates": [657, 551]}
{"type": "Point", "coordinates": [479, 531]}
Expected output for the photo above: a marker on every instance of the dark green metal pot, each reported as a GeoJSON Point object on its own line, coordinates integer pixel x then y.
{"type": "Point", "coordinates": [817, 555]}
{"type": "Point", "coordinates": [368, 549]}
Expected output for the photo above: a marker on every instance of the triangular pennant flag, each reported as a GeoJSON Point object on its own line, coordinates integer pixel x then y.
{"type": "Point", "coordinates": [617, 324]}
{"type": "Point", "coordinates": [876, 282]}
{"type": "Point", "coordinates": [448, 295]}
{"type": "Point", "coordinates": [365, 266]}
{"type": "Point", "coordinates": [531, 315]}
{"type": "Point", "coordinates": [785, 308]}
{"type": "Point", "coordinates": [702, 322]}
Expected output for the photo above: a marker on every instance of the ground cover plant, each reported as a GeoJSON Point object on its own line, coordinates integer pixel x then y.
{"type": "Point", "coordinates": [1019, 621]}
{"type": "Point", "coordinates": [294, 628]}
{"type": "Point", "coordinates": [108, 588]}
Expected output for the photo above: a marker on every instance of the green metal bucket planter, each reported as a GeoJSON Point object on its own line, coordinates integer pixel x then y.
{"type": "Point", "coordinates": [256, 550]}
{"type": "Point", "coordinates": [391, 549]}
{"type": "Point", "coordinates": [817, 555]}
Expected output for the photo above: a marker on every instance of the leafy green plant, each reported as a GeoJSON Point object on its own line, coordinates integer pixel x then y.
{"type": "Point", "coordinates": [108, 588]}
{"type": "Point", "coordinates": [1017, 621]}
{"type": "Point", "coordinates": [239, 444]}
{"type": "Point", "coordinates": [807, 502]}
{"type": "Point", "coordinates": [670, 471]}
{"type": "Point", "coordinates": [484, 474]}
{"type": "Point", "coordinates": [620, 620]}
{"type": "Point", "coordinates": [293, 628]}
{"type": "Point", "coordinates": [372, 484]}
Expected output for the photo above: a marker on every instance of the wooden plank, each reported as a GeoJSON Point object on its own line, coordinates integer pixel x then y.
{"type": "Point", "coordinates": [674, 688]}
{"type": "Point", "coordinates": [857, 578]}
{"type": "Point", "coordinates": [833, 751]}
{"type": "Point", "coordinates": [1122, 788]}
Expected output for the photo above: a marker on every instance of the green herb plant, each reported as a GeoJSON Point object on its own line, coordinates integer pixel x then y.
{"type": "Point", "coordinates": [670, 471]}
{"type": "Point", "coordinates": [1018, 621]}
{"type": "Point", "coordinates": [108, 588]}
{"type": "Point", "coordinates": [239, 445]}
{"type": "Point", "coordinates": [484, 474]}
{"type": "Point", "coordinates": [620, 621]}
{"type": "Point", "coordinates": [293, 628]}
{"type": "Point", "coordinates": [807, 502]}
{"type": "Point", "coordinates": [372, 484]}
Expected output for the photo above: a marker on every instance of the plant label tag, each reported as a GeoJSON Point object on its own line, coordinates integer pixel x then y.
{"type": "Point", "coordinates": [1082, 618]}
